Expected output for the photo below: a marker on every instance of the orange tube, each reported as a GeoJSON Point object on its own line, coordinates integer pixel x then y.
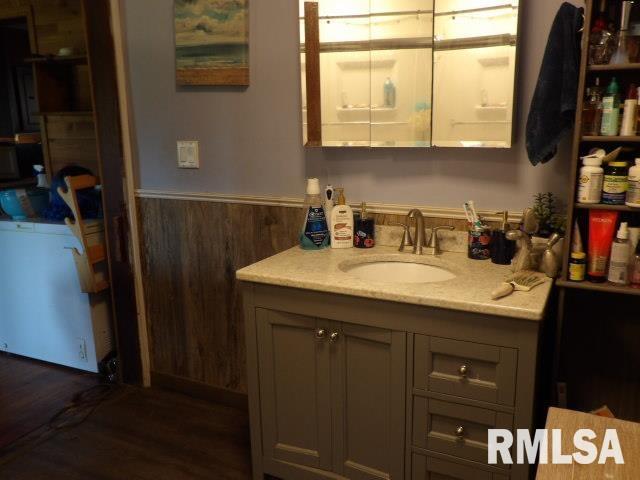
{"type": "Point", "coordinates": [602, 228]}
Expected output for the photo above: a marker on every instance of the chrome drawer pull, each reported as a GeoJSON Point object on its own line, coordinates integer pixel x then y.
{"type": "Point", "coordinates": [463, 371]}
{"type": "Point", "coordinates": [321, 333]}
{"type": "Point", "coordinates": [334, 336]}
{"type": "Point", "coordinates": [460, 432]}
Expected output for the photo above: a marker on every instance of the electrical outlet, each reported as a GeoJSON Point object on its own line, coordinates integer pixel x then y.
{"type": "Point", "coordinates": [82, 349]}
{"type": "Point", "coordinates": [188, 154]}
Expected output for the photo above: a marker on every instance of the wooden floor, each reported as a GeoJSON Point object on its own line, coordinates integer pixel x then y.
{"type": "Point", "coordinates": [31, 392]}
{"type": "Point", "coordinates": [138, 434]}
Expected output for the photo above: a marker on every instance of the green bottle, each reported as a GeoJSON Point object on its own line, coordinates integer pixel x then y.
{"type": "Point", "coordinates": [611, 110]}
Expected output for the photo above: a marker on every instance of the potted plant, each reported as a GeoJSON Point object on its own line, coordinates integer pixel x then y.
{"type": "Point", "coordinates": [547, 211]}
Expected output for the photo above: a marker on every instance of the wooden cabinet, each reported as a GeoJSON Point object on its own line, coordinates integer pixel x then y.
{"type": "Point", "coordinates": [351, 388]}
{"type": "Point", "coordinates": [295, 390]}
{"type": "Point", "coordinates": [332, 397]}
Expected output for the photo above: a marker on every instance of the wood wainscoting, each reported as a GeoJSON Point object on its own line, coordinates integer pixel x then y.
{"type": "Point", "coordinates": [191, 250]}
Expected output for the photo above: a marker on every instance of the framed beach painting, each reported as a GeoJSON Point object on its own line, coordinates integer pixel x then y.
{"type": "Point", "coordinates": [212, 42]}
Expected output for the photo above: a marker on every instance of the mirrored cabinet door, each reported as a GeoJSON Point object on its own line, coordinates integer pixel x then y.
{"type": "Point", "coordinates": [401, 59]}
{"type": "Point", "coordinates": [408, 73]}
{"type": "Point", "coordinates": [474, 72]}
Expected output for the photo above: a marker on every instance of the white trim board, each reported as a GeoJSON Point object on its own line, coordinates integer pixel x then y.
{"type": "Point", "coordinates": [118, 30]}
{"type": "Point", "coordinates": [389, 209]}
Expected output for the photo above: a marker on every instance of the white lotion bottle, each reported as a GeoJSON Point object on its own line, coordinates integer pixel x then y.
{"type": "Point", "coordinates": [633, 194]}
{"type": "Point", "coordinates": [619, 262]}
{"type": "Point", "coordinates": [341, 222]}
{"type": "Point", "coordinates": [590, 180]}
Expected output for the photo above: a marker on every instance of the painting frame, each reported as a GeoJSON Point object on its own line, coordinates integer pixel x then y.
{"type": "Point", "coordinates": [212, 42]}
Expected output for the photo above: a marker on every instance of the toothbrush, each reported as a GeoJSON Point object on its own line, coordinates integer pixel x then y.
{"type": "Point", "coordinates": [472, 215]}
{"type": "Point", "coordinates": [467, 212]}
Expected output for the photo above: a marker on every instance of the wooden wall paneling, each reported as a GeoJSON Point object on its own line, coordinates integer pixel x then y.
{"type": "Point", "coordinates": [600, 357]}
{"type": "Point", "coordinates": [53, 87]}
{"type": "Point", "coordinates": [57, 23]}
{"type": "Point", "coordinates": [81, 88]}
{"type": "Point", "coordinates": [191, 251]}
{"type": "Point", "coordinates": [69, 139]}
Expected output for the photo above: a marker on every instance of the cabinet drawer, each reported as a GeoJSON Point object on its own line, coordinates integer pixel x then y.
{"type": "Point", "coordinates": [465, 369]}
{"type": "Point", "coordinates": [425, 467]}
{"type": "Point", "coordinates": [455, 429]}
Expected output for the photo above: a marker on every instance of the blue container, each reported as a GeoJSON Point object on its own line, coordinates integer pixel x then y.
{"type": "Point", "coordinates": [38, 198]}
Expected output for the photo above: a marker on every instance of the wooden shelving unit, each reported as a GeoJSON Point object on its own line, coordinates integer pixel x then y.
{"type": "Point", "coordinates": [599, 287]}
{"type": "Point", "coordinates": [613, 68]}
{"type": "Point", "coordinates": [70, 113]}
{"type": "Point", "coordinates": [595, 322]}
{"type": "Point", "coordinates": [618, 139]}
{"type": "Point", "coordinates": [24, 183]}
{"type": "Point", "coordinates": [78, 59]}
{"type": "Point", "coordinates": [581, 144]}
{"type": "Point", "coordinates": [602, 206]}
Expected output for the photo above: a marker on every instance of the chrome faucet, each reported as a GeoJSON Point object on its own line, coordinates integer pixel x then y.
{"type": "Point", "coordinates": [433, 248]}
{"type": "Point", "coordinates": [418, 235]}
{"type": "Point", "coordinates": [417, 242]}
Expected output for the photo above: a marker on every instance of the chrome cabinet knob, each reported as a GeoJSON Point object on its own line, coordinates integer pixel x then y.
{"type": "Point", "coordinates": [460, 431]}
{"type": "Point", "coordinates": [334, 336]}
{"type": "Point", "coordinates": [463, 370]}
{"type": "Point", "coordinates": [321, 333]}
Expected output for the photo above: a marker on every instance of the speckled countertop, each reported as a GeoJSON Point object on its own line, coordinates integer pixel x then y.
{"type": "Point", "coordinates": [470, 291]}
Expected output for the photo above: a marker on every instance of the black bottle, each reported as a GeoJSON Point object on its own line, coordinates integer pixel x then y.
{"type": "Point", "coordinates": [502, 249]}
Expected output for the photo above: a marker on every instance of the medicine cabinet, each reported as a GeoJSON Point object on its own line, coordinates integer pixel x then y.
{"type": "Point", "coordinates": [408, 73]}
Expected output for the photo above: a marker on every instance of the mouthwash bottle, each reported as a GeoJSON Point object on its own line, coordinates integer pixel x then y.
{"type": "Point", "coordinates": [314, 234]}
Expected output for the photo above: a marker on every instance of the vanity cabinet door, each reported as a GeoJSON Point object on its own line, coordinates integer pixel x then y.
{"type": "Point", "coordinates": [368, 380]}
{"type": "Point", "coordinates": [294, 389]}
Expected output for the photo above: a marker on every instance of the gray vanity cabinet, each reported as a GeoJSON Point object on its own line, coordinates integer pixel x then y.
{"type": "Point", "coordinates": [343, 387]}
{"type": "Point", "coordinates": [295, 390]}
{"type": "Point", "coordinates": [332, 397]}
{"type": "Point", "coordinates": [368, 381]}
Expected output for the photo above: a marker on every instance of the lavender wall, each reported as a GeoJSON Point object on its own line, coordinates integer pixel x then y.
{"type": "Point", "coordinates": [250, 139]}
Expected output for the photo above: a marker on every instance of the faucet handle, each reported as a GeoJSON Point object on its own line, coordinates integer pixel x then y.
{"type": "Point", "coordinates": [433, 248]}
{"type": "Point", "coordinates": [407, 241]}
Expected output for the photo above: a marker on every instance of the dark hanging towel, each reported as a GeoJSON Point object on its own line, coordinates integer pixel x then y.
{"type": "Point", "coordinates": [552, 112]}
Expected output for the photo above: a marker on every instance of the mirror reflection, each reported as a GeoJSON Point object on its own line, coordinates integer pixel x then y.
{"type": "Point", "coordinates": [407, 73]}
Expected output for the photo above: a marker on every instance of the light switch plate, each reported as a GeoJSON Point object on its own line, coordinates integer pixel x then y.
{"type": "Point", "coordinates": [188, 154]}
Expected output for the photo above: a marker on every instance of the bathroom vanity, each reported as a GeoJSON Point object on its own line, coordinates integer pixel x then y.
{"type": "Point", "coordinates": [362, 368]}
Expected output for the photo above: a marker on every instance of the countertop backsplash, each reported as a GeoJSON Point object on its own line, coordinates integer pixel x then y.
{"type": "Point", "coordinates": [450, 241]}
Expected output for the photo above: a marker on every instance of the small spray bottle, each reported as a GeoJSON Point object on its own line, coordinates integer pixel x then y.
{"type": "Point", "coordinates": [41, 177]}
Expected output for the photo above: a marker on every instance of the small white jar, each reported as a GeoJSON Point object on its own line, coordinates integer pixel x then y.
{"type": "Point", "coordinates": [590, 180]}
{"type": "Point", "coordinates": [633, 194]}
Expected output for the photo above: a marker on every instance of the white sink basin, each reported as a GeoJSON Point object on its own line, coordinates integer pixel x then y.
{"type": "Point", "coordinates": [398, 272]}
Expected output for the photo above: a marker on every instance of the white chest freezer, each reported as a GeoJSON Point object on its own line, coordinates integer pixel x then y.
{"type": "Point", "coordinates": [43, 313]}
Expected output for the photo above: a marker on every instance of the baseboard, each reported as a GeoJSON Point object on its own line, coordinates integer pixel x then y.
{"type": "Point", "coordinates": [200, 390]}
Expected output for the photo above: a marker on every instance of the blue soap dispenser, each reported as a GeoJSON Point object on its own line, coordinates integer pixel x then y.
{"type": "Point", "coordinates": [314, 233]}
